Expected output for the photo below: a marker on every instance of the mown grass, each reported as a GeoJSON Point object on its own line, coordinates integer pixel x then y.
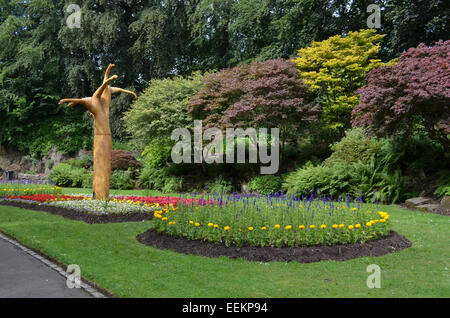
{"type": "Point", "coordinates": [110, 255]}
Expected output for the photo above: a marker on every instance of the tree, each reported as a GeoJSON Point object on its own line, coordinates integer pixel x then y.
{"type": "Point", "coordinates": [31, 81]}
{"type": "Point", "coordinates": [266, 94]}
{"type": "Point", "coordinates": [161, 108]}
{"type": "Point", "coordinates": [412, 94]}
{"type": "Point", "coordinates": [335, 68]}
{"type": "Point", "coordinates": [146, 38]}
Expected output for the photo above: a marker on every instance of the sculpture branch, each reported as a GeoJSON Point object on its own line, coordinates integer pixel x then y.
{"type": "Point", "coordinates": [115, 90]}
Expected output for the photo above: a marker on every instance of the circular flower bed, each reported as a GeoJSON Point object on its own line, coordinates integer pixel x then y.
{"type": "Point", "coordinates": [273, 221]}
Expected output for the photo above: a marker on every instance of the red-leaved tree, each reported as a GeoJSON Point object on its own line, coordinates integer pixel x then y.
{"type": "Point", "coordinates": [412, 94]}
{"type": "Point", "coordinates": [266, 94]}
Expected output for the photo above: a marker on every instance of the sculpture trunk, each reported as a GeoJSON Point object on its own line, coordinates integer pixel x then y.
{"type": "Point", "coordinates": [102, 166]}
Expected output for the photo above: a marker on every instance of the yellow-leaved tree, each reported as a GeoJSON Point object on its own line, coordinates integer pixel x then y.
{"type": "Point", "coordinates": [335, 68]}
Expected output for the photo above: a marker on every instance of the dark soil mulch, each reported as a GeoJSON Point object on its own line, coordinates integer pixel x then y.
{"type": "Point", "coordinates": [82, 216]}
{"type": "Point", "coordinates": [392, 243]}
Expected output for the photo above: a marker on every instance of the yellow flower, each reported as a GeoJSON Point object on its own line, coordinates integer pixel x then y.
{"type": "Point", "coordinates": [369, 224]}
{"type": "Point", "coordinates": [341, 225]}
{"type": "Point", "coordinates": [301, 227]}
{"type": "Point", "coordinates": [210, 224]}
{"type": "Point", "coordinates": [354, 209]}
{"type": "Point", "coordinates": [312, 226]}
{"type": "Point", "coordinates": [382, 220]}
{"type": "Point", "coordinates": [216, 226]}
{"type": "Point", "coordinates": [350, 227]}
{"type": "Point", "coordinates": [288, 227]}
{"type": "Point", "coordinates": [335, 226]}
{"type": "Point", "coordinates": [323, 226]}
{"type": "Point", "coordinates": [226, 228]}
{"type": "Point", "coordinates": [197, 224]}
{"type": "Point", "coordinates": [277, 226]}
{"type": "Point", "coordinates": [191, 222]}
{"type": "Point", "coordinates": [164, 219]}
{"type": "Point", "coordinates": [250, 228]}
{"type": "Point", "coordinates": [357, 226]}
{"type": "Point", "coordinates": [158, 216]}
{"type": "Point", "coordinates": [263, 228]}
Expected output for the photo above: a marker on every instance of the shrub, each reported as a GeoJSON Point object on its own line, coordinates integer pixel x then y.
{"type": "Point", "coordinates": [76, 163]}
{"type": "Point", "coordinates": [157, 153]}
{"type": "Point", "coordinates": [354, 179]}
{"type": "Point", "coordinates": [273, 221]}
{"type": "Point", "coordinates": [162, 108]}
{"type": "Point", "coordinates": [266, 184]}
{"type": "Point", "coordinates": [65, 175]}
{"type": "Point", "coordinates": [354, 147]}
{"type": "Point", "coordinates": [443, 188]}
{"type": "Point", "coordinates": [411, 95]}
{"type": "Point", "coordinates": [219, 186]}
{"type": "Point", "coordinates": [121, 180]}
{"type": "Point", "coordinates": [154, 178]}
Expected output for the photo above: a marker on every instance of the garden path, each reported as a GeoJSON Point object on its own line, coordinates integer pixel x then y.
{"type": "Point", "coordinates": [23, 276]}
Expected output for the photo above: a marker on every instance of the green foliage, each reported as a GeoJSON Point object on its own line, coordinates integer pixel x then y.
{"type": "Point", "coordinates": [335, 68]}
{"type": "Point", "coordinates": [157, 153]}
{"type": "Point", "coordinates": [65, 175]}
{"type": "Point", "coordinates": [358, 165]}
{"type": "Point", "coordinates": [154, 178]}
{"type": "Point", "coordinates": [443, 188]}
{"type": "Point", "coordinates": [352, 179]}
{"type": "Point", "coordinates": [76, 163]}
{"type": "Point", "coordinates": [161, 109]}
{"type": "Point", "coordinates": [354, 147]}
{"type": "Point", "coordinates": [266, 184]}
{"type": "Point", "coordinates": [121, 180]}
{"type": "Point", "coordinates": [219, 186]}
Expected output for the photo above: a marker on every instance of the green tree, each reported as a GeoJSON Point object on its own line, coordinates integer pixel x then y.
{"type": "Point", "coordinates": [335, 68]}
{"type": "Point", "coordinates": [162, 108]}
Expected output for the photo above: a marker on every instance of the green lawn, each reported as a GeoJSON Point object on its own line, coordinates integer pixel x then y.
{"type": "Point", "coordinates": [109, 255]}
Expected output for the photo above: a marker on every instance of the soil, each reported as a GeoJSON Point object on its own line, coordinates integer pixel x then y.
{"type": "Point", "coordinates": [392, 243]}
{"type": "Point", "coordinates": [82, 216]}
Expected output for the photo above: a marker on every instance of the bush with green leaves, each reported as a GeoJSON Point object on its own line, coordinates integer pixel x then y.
{"type": "Point", "coordinates": [65, 175]}
{"type": "Point", "coordinates": [355, 146]}
{"type": "Point", "coordinates": [155, 178]}
{"type": "Point", "coordinates": [443, 188]}
{"type": "Point", "coordinates": [121, 180]}
{"type": "Point", "coordinates": [358, 165]}
{"type": "Point", "coordinates": [162, 108]}
{"type": "Point", "coordinates": [352, 179]}
{"type": "Point", "coordinates": [219, 185]}
{"type": "Point", "coordinates": [266, 184]}
{"type": "Point", "coordinates": [157, 153]}
{"type": "Point", "coordinates": [76, 163]}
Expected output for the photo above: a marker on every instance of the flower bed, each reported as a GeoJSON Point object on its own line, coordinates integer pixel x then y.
{"type": "Point", "coordinates": [83, 203]}
{"type": "Point", "coordinates": [44, 198]}
{"type": "Point", "coordinates": [104, 207]}
{"type": "Point", "coordinates": [17, 188]}
{"type": "Point", "coordinates": [274, 222]}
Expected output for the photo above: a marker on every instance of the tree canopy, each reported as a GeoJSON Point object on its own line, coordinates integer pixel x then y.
{"type": "Point", "coordinates": [413, 94]}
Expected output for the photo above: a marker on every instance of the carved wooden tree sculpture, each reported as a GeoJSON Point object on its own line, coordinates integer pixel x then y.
{"type": "Point", "coordinates": [99, 105]}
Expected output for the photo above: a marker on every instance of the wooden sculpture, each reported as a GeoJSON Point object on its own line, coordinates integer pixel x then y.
{"type": "Point", "coordinates": [99, 105]}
